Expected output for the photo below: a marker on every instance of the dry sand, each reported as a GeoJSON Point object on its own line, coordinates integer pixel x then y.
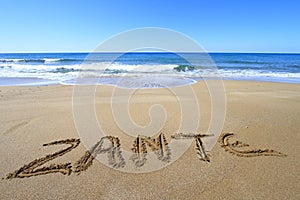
{"type": "Point", "coordinates": [264, 164]}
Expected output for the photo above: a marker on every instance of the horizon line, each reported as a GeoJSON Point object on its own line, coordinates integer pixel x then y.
{"type": "Point", "coordinates": [50, 52]}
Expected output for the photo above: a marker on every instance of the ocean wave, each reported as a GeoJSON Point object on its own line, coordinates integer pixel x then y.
{"type": "Point", "coordinates": [49, 60]}
{"type": "Point", "coordinates": [39, 60]}
{"type": "Point", "coordinates": [41, 67]}
{"type": "Point", "coordinates": [10, 60]}
{"type": "Point", "coordinates": [67, 60]}
{"type": "Point", "coordinates": [143, 68]}
{"type": "Point", "coordinates": [65, 70]}
{"type": "Point", "coordinates": [244, 62]}
{"type": "Point", "coordinates": [103, 69]}
{"type": "Point", "coordinates": [191, 68]}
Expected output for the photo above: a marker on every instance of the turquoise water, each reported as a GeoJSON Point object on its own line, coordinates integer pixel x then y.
{"type": "Point", "coordinates": [65, 68]}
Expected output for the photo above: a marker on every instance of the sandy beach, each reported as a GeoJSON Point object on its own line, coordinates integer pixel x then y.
{"type": "Point", "coordinates": [264, 115]}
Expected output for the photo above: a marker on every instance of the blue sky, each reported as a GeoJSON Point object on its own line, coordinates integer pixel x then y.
{"type": "Point", "coordinates": [217, 25]}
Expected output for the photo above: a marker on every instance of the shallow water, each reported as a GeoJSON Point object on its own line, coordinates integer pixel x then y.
{"type": "Point", "coordinates": [135, 69]}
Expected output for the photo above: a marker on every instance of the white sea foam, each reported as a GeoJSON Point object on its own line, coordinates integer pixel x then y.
{"type": "Point", "coordinates": [142, 68]}
{"type": "Point", "coordinates": [48, 60]}
{"type": "Point", "coordinates": [103, 69]}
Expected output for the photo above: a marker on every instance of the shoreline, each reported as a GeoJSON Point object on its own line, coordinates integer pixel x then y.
{"type": "Point", "coordinates": [112, 81]}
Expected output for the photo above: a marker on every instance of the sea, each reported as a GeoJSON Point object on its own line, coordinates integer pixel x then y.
{"type": "Point", "coordinates": [145, 69]}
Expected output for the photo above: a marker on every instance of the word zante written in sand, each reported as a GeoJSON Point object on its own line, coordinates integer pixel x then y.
{"type": "Point", "coordinates": [111, 146]}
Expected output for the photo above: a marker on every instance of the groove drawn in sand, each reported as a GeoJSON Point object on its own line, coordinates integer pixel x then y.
{"type": "Point", "coordinates": [202, 155]}
{"type": "Point", "coordinates": [140, 151]}
{"type": "Point", "coordinates": [201, 150]}
{"type": "Point", "coordinates": [31, 169]}
{"type": "Point", "coordinates": [158, 145]}
{"type": "Point", "coordinates": [110, 145]}
{"type": "Point", "coordinates": [15, 127]}
{"type": "Point", "coordinates": [231, 148]}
